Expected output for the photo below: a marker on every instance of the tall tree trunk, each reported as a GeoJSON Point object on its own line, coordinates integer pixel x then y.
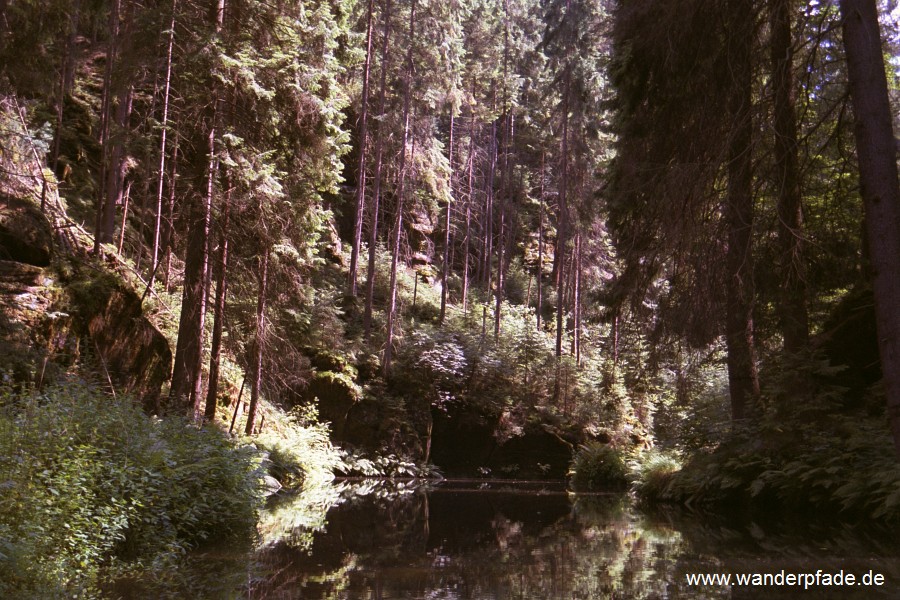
{"type": "Point", "coordinates": [361, 167]}
{"type": "Point", "coordinates": [398, 219]}
{"type": "Point", "coordinates": [562, 219]}
{"type": "Point", "coordinates": [65, 75]}
{"type": "Point", "coordinates": [219, 315]}
{"type": "Point", "coordinates": [127, 198]}
{"type": "Point", "coordinates": [185, 392]}
{"type": "Point", "coordinates": [260, 341]}
{"type": "Point", "coordinates": [445, 275]}
{"type": "Point", "coordinates": [498, 297]}
{"type": "Point", "coordinates": [738, 213]}
{"type": "Point", "coordinates": [489, 207]}
{"type": "Point", "coordinates": [793, 309]}
{"type": "Point", "coordinates": [115, 170]}
{"type": "Point", "coordinates": [169, 238]}
{"type": "Point", "coordinates": [879, 184]}
{"type": "Point", "coordinates": [154, 266]}
{"type": "Point", "coordinates": [576, 300]}
{"type": "Point", "coordinates": [469, 198]}
{"type": "Point", "coordinates": [100, 236]}
{"type": "Point", "coordinates": [540, 265]}
{"type": "Point", "coordinates": [376, 192]}
{"type": "Point", "coordinates": [189, 346]}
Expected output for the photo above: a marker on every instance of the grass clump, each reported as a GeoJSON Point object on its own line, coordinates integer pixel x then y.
{"type": "Point", "coordinates": [92, 488]}
{"type": "Point", "coordinates": [597, 466]}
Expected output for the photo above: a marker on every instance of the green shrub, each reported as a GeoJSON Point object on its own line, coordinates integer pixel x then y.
{"type": "Point", "coordinates": [90, 487]}
{"type": "Point", "coordinates": [299, 449]}
{"type": "Point", "coordinates": [597, 466]}
{"type": "Point", "coordinates": [655, 470]}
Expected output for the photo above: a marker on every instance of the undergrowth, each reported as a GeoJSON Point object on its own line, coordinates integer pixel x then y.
{"type": "Point", "coordinates": [813, 449]}
{"type": "Point", "coordinates": [91, 488]}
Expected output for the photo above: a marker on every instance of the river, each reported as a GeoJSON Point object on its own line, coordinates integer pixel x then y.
{"type": "Point", "coordinates": [501, 540]}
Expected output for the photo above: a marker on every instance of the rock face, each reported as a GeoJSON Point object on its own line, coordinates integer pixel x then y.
{"type": "Point", "coordinates": [379, 426]}
{"type": "Point", "coordinates": [465, 443]}
{"type": "Point", "coordinates": [334, 394]}
{"type": "Point", "coordinates": [35, 332]}
{"type": "Point", "coordinates": [135, 354]}
{"type": "Point", "coordinates": [36, 340]}
{"type": "Point", "coordinates": [48, 321]}
{"type": "Point", "coordinates": [25, 234]}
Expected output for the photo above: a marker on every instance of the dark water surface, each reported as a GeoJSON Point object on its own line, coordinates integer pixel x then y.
{"type": "Point", "coordinates": [493, 541]}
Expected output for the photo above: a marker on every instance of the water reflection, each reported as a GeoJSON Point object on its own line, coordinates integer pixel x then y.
{"type": "Point", "coordinates": [475, 541]}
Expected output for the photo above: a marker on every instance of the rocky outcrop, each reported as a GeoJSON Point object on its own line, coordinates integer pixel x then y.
{"type": "Point", "coordinates": [51, 315]}
{"type": "Point", "coordinates": [382, 426]}
{"type": "Point", "coordinates": [34, 329]}
{"type": "Point", "coordinates": [334, 394]}
{"type": "Point", "coordinates": [467, 442]}
{"type": "Point", "coordinates": [134, 353]}
{"type": "Point", "coordinates": [36, 339]}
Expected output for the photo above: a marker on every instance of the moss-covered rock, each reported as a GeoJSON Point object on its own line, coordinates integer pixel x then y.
{"type": "Point", "coordinates": [539, 452]}
{"type": "Point", "coordinates": [334, 394]}
{"type": "Point", "coordinates": [382, 425]}
{"type": "Point", "coordinates": [134, 352]}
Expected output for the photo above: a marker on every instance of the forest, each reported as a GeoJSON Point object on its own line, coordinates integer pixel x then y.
{"type": "Point", "coordinates": [627, 245]}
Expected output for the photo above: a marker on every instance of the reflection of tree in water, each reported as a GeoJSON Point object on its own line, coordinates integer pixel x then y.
{"type": "Point", "coordinates": [471, 544]}
{"type": "Point", "coordinates": [499, 544]}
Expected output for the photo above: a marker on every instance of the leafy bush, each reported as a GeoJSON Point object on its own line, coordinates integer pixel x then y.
{"type": "Point", "coordinates": [89, 484]}
{"type": "Point", "coordinates": [597, 466]}
{"type": "Point", "coordinates": [382, 465]}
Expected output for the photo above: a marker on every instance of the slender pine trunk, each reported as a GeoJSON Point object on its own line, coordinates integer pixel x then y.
{"type": "Point", "coordinates": [260, 341]}
{"type": "Point", "coordinates": [738, 212]}
{"type": "Point", "coordinates": [376, 192]}
{"type": "Point", "coordinates": [157, 230]}
{"type": "Point", "coordinates": [212, 390]}
{"type": "Point", "coordinates": [398, 220]}
{"type": "Point", "coordinates": [361, 166]}
{"type": "Point", "coordinates": [445, 275]}
{"type": "Point", "coordinates": [469, 198]}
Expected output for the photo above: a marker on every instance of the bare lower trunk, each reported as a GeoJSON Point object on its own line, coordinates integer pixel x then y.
{"type": "Point", "coordinates": [154, 265]}
{"type": "Point", "coordinates": [793, 311]}
{"type": "Point", "coordinates": [115, 170]}
{"type": "Point", "coordinates": [361, 166]}
{"type": "Point", "coordinates": [445, 275]}
{"type": "Point", "coordinates": [562, 221]}
{"type": "Point", "coordinates": [170, 216]}
{"type": "Point", "coordinates": [738, 210]}
{"type": "Point", "coordinates": [540, 265]}
{"type": "Point", "coordinates": [879, 185]}
{"type": "Point", "coordinates": [469, 198]}
{"type": "Point", "coordinates": [376, 192]}
{"type": "Point", "coordinates": [212, 390]}
{"type": "Point", "coordinates": [100, 235]}
{"type": "Point", "coordinates": [260, 342]}
{"type": "Point", "coordinates": [189, 346]}
{"type": "Point", "coordinates": [398, 221]}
